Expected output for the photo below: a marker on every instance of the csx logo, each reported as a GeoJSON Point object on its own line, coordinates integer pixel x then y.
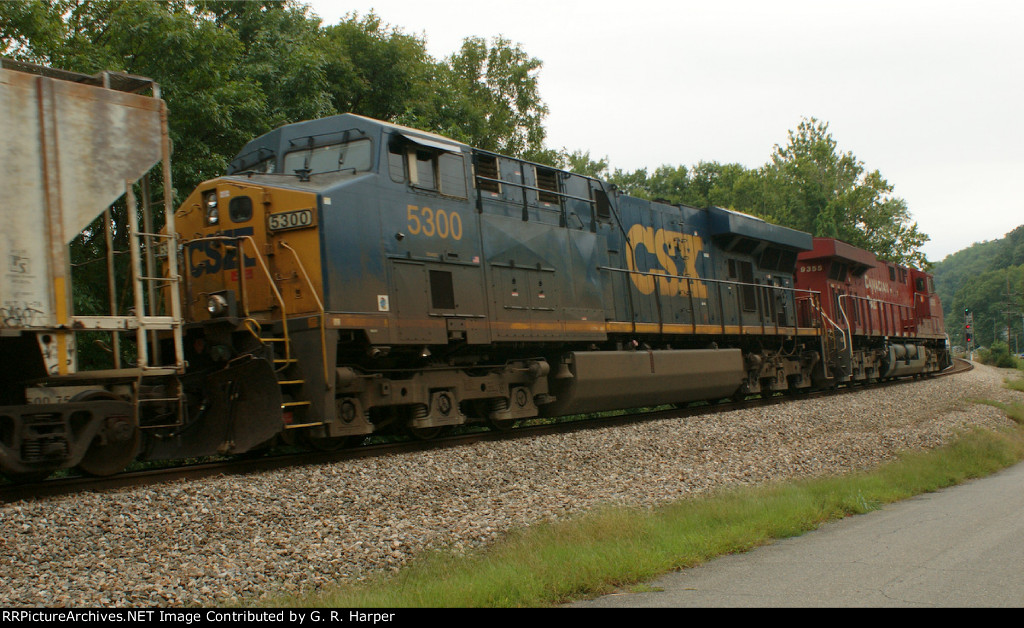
{"type": "Point", "coordinates": [673, 253]}
{"type": "Point", "coordinates": [212, 256]}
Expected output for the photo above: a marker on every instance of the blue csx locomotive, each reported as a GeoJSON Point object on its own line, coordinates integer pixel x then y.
{"type": "Point", "coordinates": [358, 274]}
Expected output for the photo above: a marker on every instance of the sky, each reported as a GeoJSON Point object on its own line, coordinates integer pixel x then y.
{"type": "Point", "coordinates": [928, 93]}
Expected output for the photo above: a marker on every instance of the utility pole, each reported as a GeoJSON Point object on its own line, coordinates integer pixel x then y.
{"type": "Point", "coordinates": [1011, 309]}
{"type": "Point", "coordinates": [969, 332]}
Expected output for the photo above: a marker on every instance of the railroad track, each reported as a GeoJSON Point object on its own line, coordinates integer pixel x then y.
{"type": "Point", "coordinates": [529, 429]}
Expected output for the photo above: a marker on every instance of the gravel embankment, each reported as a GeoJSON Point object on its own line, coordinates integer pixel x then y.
{"type": "Point", "coordinates": [218, 540]}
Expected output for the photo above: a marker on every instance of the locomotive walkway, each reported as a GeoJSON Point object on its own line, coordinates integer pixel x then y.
{"type": "Point", "coordinates": [956, 547]}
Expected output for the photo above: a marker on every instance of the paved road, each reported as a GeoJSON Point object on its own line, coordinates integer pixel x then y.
{"type": "Point", "coordinates": [962, 546]}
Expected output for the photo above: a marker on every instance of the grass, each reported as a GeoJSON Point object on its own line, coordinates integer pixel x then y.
{"type": "Point", "coordinates": [1015, 384]}
{"type": "Point", "coordinates": [1014, 410]}
{"type": "Point", "coordinates": [622, 548]}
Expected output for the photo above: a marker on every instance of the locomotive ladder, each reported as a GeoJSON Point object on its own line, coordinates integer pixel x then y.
{"type": "Point", "coordinates": [829, 344]}
{"type": "Point", "coordinates": [290, 384]}
{"type": "Point", "coordinates": [323, 342]}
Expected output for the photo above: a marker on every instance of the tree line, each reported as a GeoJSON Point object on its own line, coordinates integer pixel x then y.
{"type": "Point", "coordinates": [986, 278]}
{"type": "Point", "coordinates": [231, 71]}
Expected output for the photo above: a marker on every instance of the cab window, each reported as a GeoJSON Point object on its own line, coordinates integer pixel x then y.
{"type": "Point", "coordinates": [439, 171]}
{"type": "Point", "coordinates": [356, 156]}
{"type": "Point", "coordinates": [396, 162]}
{"type": "Point", "coordinates": [424, 175]}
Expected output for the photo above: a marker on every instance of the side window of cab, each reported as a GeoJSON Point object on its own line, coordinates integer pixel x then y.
{"type": "Point", "coordinates": [426, 167]}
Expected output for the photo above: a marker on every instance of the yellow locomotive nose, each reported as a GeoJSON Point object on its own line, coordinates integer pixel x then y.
{"type": "Point", "coordinates": [235, 263]}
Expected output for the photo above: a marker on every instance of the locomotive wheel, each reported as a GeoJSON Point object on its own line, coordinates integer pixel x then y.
{"type": "Point", "coordinates": [329, 444]}
{"type": "Point", "coordinates": [425, 433]}
{"type": "Point", "coordinates": [502, 425]}
{"type": "Point", "coordinates": [121, 446]}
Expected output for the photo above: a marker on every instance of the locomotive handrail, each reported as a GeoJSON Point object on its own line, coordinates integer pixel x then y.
{"type": "Point", "coordinates": [720, 283]}
{"type": "Point", "coordinates": [319, 305]}
{"type": "Point", "coordinates": [848, 334]}
{"type": "Point", "coordinates": [872, 299]}
{"type": "Point", "coordinates": [815, 300]}
{"type": "Point", "coordinates": [707, 279]}
{"type": "Point", "coordinates": [900, 309]}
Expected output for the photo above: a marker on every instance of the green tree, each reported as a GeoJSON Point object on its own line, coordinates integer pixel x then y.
{"type": "Point", "coordinates": [636, 183]}
{"type": "Point", "coordinates": [670, 183]}
{"type": "Point", "coordinates": [998, 355]}
{"type": "Point", "coordinates": [377, 70]}
{"type": "Point", "coordinates": [708, 183]}
{"type": "Point", "coordinates": [487, 95]}
{"type": "Point", "coordinates": [811, 186]}
{"type": "Point", "coordinates": [282, 51]}
{"type": "Point", "coordinates": [986, 296]}
{"type": "Point", "coordinates": [581, 162]}
{"type": "Point", "coordinates": [28, 29]}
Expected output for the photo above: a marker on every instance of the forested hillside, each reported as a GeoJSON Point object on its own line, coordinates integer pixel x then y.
{"type": "Point", "coordinates": [987, 278]}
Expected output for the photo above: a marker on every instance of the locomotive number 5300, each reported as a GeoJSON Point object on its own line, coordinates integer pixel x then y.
{"type": "Point", "coordinates": [432, 223]}
{"type": "Point", "coordinates": [290, 220]}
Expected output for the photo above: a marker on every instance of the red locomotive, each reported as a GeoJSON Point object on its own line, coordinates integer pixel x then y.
{"type": "Point", "coordinates": [886, 318]}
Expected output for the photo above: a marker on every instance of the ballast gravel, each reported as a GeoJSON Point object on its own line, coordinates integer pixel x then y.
{"type": "Point", "coordinates": [230, 540]}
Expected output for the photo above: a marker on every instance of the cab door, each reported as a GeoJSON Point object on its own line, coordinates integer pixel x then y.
{"type": "Point", "coordinates": [435, 260]}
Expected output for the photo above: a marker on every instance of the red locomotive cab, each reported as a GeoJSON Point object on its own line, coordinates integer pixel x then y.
{"type": "Point", "coordinates": [836, 271]}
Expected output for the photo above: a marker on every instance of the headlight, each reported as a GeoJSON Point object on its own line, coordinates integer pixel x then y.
{"type": "Point", "coordinates": [212, 214]}
{"type": "Point", "coordinates": [216, 305]}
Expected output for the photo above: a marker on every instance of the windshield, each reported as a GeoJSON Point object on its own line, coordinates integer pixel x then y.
{"type": "Point", "coordinates": [356, 155]}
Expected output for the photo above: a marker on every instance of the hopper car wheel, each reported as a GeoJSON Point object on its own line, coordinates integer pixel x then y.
{"type": "Point", "coordinates": [121, 446]}
{"type": "Point", "coordinates": [110, 458]}
{"type": "Point", "coordinates": [28, 477]}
